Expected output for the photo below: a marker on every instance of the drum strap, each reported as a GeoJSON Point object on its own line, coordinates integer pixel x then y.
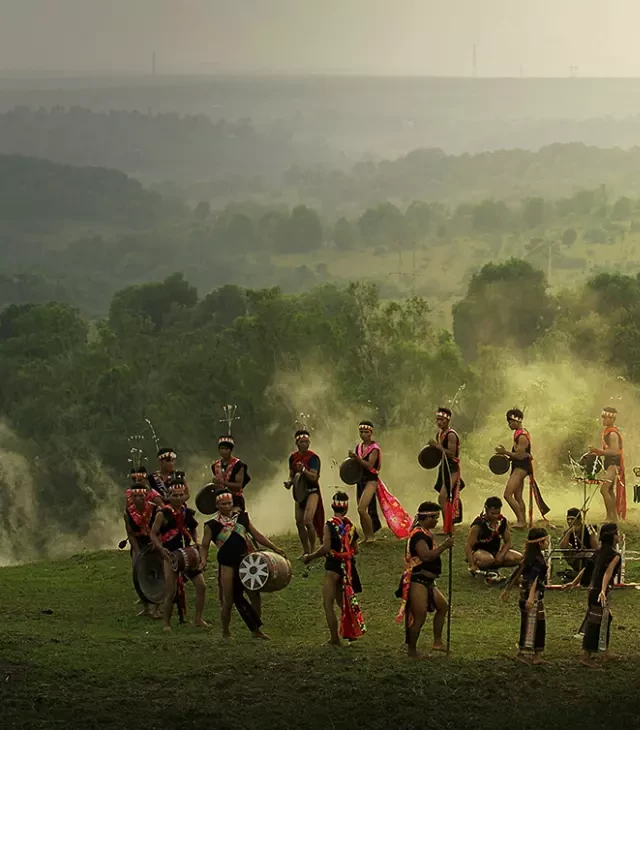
{"type": "Point", "coordinates": [373, 446]}
{"type": "Point", "coordinates": [226, 472]}
{"type": "Point", "coordinates": [179, 528]}
{"type": "Point", "coordinates": [229, 526]}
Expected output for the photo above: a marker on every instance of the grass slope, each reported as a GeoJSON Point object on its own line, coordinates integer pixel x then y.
{"type": "Point", "coordinates": [93, 663]}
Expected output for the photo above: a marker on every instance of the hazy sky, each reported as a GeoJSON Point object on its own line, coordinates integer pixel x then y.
{"type": "Point", "coordinates": [543, 37]}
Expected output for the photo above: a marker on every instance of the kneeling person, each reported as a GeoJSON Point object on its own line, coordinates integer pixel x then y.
{"type": "Point", "coordinates": [174, 527]}
{"type": "Point", "coordinates": [234, 536]}
{"type": "Point", "coordinates": [417, 589]}
{"type": "Point", "coordinates": [341, 582]}
{"type": "Point", "coordinates": [488, 546]}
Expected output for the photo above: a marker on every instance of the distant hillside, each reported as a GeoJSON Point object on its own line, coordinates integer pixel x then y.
{"type": "Point", "coordinates": [36, 192]}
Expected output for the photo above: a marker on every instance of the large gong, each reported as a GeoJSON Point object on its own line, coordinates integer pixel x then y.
{"type": "Point", "coordinates": [148, 568]}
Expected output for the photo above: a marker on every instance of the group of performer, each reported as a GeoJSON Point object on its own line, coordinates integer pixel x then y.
{"type": "Point", "coordinates": [157, 517]}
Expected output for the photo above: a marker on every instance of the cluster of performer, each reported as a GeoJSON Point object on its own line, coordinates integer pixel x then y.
{"type": "Point", "coordinates": [161, 527]}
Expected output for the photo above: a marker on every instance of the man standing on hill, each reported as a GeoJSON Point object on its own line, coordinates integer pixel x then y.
{"type": "Point", "coordinates": [229, 472]}
{"type": "Point", "coordinates": [613, 489]}
{"type": "Point", "coordinates": [449, 483]}
{"type": "Point", "coordinates": [161, 480]}
{"type": "Point", "coordinates": [304, 476]}
{"type": "Point", "coordinates": [521, 468]}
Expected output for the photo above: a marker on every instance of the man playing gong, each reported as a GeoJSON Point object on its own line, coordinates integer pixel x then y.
{"type": "Point", "coordinates": [368, 456]}
{"type": "Point", "coordinates": [521, 468]}
{"type": "Point", "coordinates": [174, 527]}
{"type": "Point", "coordinates": [304, 476]}
{"type": "Point", "coordinates": [234, 536]}
{"type": "Point", "coordinates": [613, 488]}
{"type": "Point", "coordinates": [229, 472]}
{"type": "Point", "coordinates": [449, 484]}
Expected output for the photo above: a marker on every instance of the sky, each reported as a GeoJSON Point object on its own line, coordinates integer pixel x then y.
{"type": "Point", "coordinates": [436, 37]}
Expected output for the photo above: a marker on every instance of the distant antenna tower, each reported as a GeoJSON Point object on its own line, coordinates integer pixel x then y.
{"type": "Point", "coordinates": [475, 62]}
{"type": "Point", "coordinates": [153, 63]}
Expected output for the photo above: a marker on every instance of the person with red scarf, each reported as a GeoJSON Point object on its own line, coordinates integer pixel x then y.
{"type": "Point", "coordinates": [304, 465]}
{"type": "Point", "coordinates": [521, 467]}
{"type": "Point", "coordinates": [229, 472]}
{"type": "Point", "coordinates": [173, 528]}
{"type": "Point", "coordinates": [417, 590]}
{"type": "Point", "coordinates": [613, 489]}
{"type": "Point", "coordinates": [341, 581]}
{"type": "Point", "coordinates": [139, 513]}
{"type": "Point", "coordinates": [449, 483]}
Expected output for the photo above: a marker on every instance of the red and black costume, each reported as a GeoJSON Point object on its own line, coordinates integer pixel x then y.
{"type": "Point", "coordinates": [138, 522]}
{"type": "Point", "coordinates": [367, 476]}
{"type": "Point", "coordinates": [310, 461]}
{"type": "Point", "coordinates": [232, 538]}
{"type": "Point", "coordinates": [342, 561]}
{"type": "Point", "coordinates": [490, 534]}
{"type": "Point", "coordinates": [448, 467]}
{"type": "Point", "coordinates": [417, 571]}
{"type": "Point", "coordinates": [618, 461]}
{"type": "Point", "coordinates": [527, 465]}
{"type": "Point", "coordinates": [228, 472]}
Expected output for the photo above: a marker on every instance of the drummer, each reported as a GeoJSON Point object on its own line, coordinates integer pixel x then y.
{"type": "Point", "coordinates": [175, 527]}
{"type": "Point", "coordinates": [447, 441]}
{"type": "Point", "coordinates": [140, 476]}
{"type": "Point", "coordinates": [234, 536]}
{"type": "Point", "coordinates": [613, 489]}
{"type": "Point", "coordinates": [341, 581]}
{"type": "Point", "coordinates": [488, 546]}
{"type": "Point", "coordinates": [369, 457]}
{"type": "Point", "coordinates": [578, 537]}
{"type": "Point", "coordinates": [230, 472]}
{"type": "Point", "coordinates": [304, 476]}
{"type": "Point", "coordinates": [138, 518]}
{"type": "Point", "coordinates": [166, 472]}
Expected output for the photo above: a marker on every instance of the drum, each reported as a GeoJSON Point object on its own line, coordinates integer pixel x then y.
{"type": "Point", "coordinates": [300, 487]}
{"type": "Point", "coordinates": [430, 457]}
{"type": "Point", "coordinates": [185, 559]}
{"type": "Point", "coordinates": [593, 466]}
{"type": "Point", "coordinates": [265, 571]}
{"type": "Point", "coordinates": [499, 464]}
{"type": "Point", "coordinates": [351, 471]}
{"type": "Point", "coordinates": [148, 568]}
{"type": "Point", "coordinates": [206, 499]}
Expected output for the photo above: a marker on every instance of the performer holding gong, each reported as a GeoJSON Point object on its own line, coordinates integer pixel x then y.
{"type": "Point", "coordinates": [613, 488]}
{"type": "Point", "coordinates": [449, 483]}
{"type": "Point", "coordinates": [368, 455]}
{"type": "Point", "coordinates": [234, 536]}
{"type": "Point", "coordinates": [173, 529]}
{"type": "Point", "coordinates": [521, 468]}
{"type": "Point", "coordinates": [341, 582]}
{"type": "Point", "coordinates": [417, 590]}
{"type": "Point", "coordinates": [229, 472]}
{"type": "Point", "coordinates": [304, 476]}
{"type": "Point", "coordinates": [138, 517]}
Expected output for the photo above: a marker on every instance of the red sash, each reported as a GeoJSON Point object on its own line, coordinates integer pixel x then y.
{"type": "Point", "coordinates": [351, 622]}
{"type": "Point", "coordinates": [226, 473]}
{"type": "Point", "coordinates": [305, 458]}
{"type": "Point", "coordinates": [179, 518]}
{"type": "Point", "coordinates": [621, 486]}
{"type": "Point", "coordinates": [410, 561]}
{"type": "Point", "coordinates": [534, 489]}
{"type": "Point", "coordinates": [142, 519]}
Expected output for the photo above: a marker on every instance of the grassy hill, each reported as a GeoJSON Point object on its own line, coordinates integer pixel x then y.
{"type": "Point", "coordinates": [92, 663]}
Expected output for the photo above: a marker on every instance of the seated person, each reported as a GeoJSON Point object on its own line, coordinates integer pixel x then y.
{"type": "Point", "coordinates": [488, 545]}
{"type": "Point", "coordinates": [578, 537]}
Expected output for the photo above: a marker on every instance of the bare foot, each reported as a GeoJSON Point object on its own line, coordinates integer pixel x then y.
{"type": "Point", "coordinates": [226, 636]}
{"type": "Point", "coordinates": [537, 661]}
{"type": "Point", "coordinates": [521, 658]}
{"type": "Point", "coordinates": [589, 663]}
{"type": "Point", "coordinates": [260, 635]}
{"type": "Point", "coordinates": [144, 612]}
{"type": "Point", "coordinates": [334, 643]}
{"type": "Point", "coordinates": [202, 624]}
{"type": "Point", "coordinates": [369, 541]}
{"type": "Point", "coordinates": [519, 525]}
{"type": "Point", "coordinates": [438, 647]}
{"type": "Point", "coordinates": [416, 655]}
{"type": "Point", "coordinates": [610, 656]}
{"type": "Point", "coordinates": [166, 628]}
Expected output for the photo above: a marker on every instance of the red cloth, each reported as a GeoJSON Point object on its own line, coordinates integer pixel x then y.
{"type": "Point", "coordinates": [352, 623]}
{"type": "Point", "coordinates": [621, 485]}
{"type": "Point", "coordinates": [305, 458]}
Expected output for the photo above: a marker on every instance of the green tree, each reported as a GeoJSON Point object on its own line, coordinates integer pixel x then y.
{"type": "Point", "coordinates": [533, 212]}
{"type": "Point", "coordinates": [344, 238]}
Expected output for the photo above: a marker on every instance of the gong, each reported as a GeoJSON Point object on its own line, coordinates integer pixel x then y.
{"type": "Point", "coordinates": [499, 464]}
{"type": "Point", "coordinates": [300, 487]}
{"type": "Point", "coordinates": [206, 499]}
{"type": "Point", "coordinates": [430, 457]}
{"type": "Point", "coordinates": [149, 572]}
{"type": "Point", "coordinates": [350, 471]}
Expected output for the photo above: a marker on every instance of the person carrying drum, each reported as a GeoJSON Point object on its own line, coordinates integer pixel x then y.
{"type": "Point", "coordinates": [139, 514]}
{"type": "Point", "coordinates": [521, 468]}
{"type": "Point", "coordinates": [234, 536]}
{"type": "Point", "coordinates": [488, 546]}
{"type": "Point", "coordinates": [449, 484]}
{"type": "Point", "coordinates": [229, 472]}
{"type": "Point", "coordinates": [417, 590]}
{"type": "Point", "coordinates": [369, 457]}
{"type": "Point", "coordinates": [304, 476]}
{"type": "Point", "coordinates": [341, 580]}
{"type": "Point", "coordinates": [175, 528]}
{"type": "Point", "coordinates": [613, 489]}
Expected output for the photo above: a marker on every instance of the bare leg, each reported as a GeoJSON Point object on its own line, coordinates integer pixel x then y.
{"type": "Point", "coordinates": [483, 561]}
{"type": "Point", "coordinates": [608, 492]}
{"type": "Point", "coordinates": [302, 530]}
{"type": "Point", "coordinates": [363, 506]}
{"type": "Point", "coordinates": [438, 620]}
{"type": "Point", "coordinates": [170, 586]}
{"type": "Point", "coordinates": [226, 577]}
{"type": "Point", "coordinates": [256, 602]}
{"type": "Point", "coordinates": [513, 495]}
{"type": "Point", "coordinates": [418, 602]}
{"type": "Point", "coordinates": [309, 515]}
{"type": "Point", "coordinates": [330, 589]}
{"type": "Point", "coordinates": [442, 496]}
{"type": "Point", "coordinates": [201, 593]}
